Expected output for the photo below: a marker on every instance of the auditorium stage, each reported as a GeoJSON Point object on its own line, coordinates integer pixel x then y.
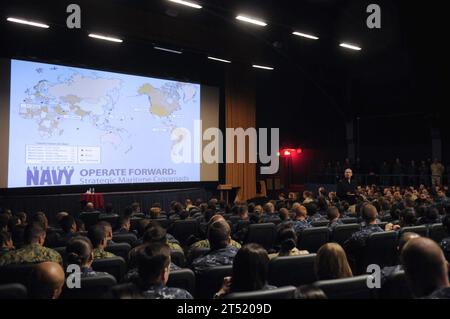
{"type": "Point", "coordinates": [52, 204]}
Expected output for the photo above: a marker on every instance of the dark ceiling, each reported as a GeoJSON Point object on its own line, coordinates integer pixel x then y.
{"type": "Point", "coordinates": [398, 77]}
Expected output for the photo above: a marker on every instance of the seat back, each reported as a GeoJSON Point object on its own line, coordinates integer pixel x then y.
{"type": "Point", "coordinates": [420, 230]}
{"type": "Point", "coordinates": [183, 229]}
{"type": "Point", "coordinates": [13, 291]}
{"type": "Point", "coordinates": [381, 249]}
{"type": "Point", "coordinates": [349, 220]}
{"type": "Point", "coordinates": [125, 238]}
{"type": "Point", "coordinates": [437, 232]}
{"type": "Point", "coordinates": [343, 232]}
{"type": "Point", "coordinates": [119, 249]}
{"type": "Point", "coordinates": [134, 222]}
{"type": "Point", "coordinates": [97, 287]}
{"type": "Point", "coordinates": [196, 252]}
{"type": "Point", "coordinates": [114, 266]}
{"type": "Point", "coordinates": [182, 278]}
{"type": "Point", "coordinates": [313, 238]}
{"type": "Point", "coordinates": [163, 222]}
{"type": "Point", "coordinates": [89, 219]}
{"type": "Point", "coordinates": [178, 258]}
{"type": "Point", "coordinates": [209, 281]}
{"type": "Point", "coordinates": [263, 234]}
{"type": "Point", "coordinates": [113, 220]}
{"type": "Point", "coordinates": [292, 270]}
{"type": "Point", "coordinates": [320, 223]}
{"type": "Point", "coordinates": [19, 273]}
{"type": "Point", "coordinates": [347, 288]}
{"type": "Point", "coordinates": [286, 292]}
{"type": "Point", "coordinates": [396, 287]}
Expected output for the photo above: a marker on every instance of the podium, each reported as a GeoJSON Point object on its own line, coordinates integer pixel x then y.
{"type": "Point", "coordinates": [97, 199]}
{"type": "Point", "coordinates": [226, 191]}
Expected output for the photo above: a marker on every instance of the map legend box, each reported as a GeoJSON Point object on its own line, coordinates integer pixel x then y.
{"type": "Point", "coordinates": [50, 154]}
{"type": "Point", "coordinates": [89, 155]}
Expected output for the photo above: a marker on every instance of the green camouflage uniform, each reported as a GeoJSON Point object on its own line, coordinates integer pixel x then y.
{"type": "Point", "coordinates": [33, 253]}
{"type": "Point", "coordinates": [100, 253]}
{"type": "Point", "coordinates": [205, 244]}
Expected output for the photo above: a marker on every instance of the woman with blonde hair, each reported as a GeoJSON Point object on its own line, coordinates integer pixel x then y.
{"type": "Point", "coordinates": [331, 263]}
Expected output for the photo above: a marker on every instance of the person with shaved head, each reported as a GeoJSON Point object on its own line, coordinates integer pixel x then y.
{"type": "Point", "coordinates": [221, 252]}
{"type": "Point", "coordinates": [47, 281]}
{"type": "Point", "coordinates": [426, 268]}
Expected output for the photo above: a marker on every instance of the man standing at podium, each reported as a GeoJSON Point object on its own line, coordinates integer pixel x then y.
{"type": "Point", "coordinates": [346, 188]}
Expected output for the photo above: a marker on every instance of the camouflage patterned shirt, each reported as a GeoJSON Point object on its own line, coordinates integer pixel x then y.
{"type": "Point", "coordinates": [32, 253]}
{"type": "Point", "coordinates": [163, 292]}
{"type": "Point", "coordinates": [100, 253]}
{"type": "Point", "coordinates": [205, 244]}
{"type": "Point", "coordinates": [219, 257]}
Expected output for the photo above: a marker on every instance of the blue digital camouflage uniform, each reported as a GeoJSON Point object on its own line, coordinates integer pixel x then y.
{"type": "Point", "coordinates": [269, 218]}
{"type": "Point", "coordinates": [164, 292]}
{"type": "Point", "coordinates": [316, 217]}
{"type": "Point", "coordinates": [220, 257]}
{"type": "Point", "coordinates": [445, 245]}
{"type": "Point", "coordinates": [32, 253]}
{"type": "Point", "coordinates": [442, 293]}
{"type": "Point", "coordinates": [299, 225]}
{"type": "Point", "coordinates": [355, 244]}
{"type": "Point", "coordinates": [332, 225]}
{"type": "Point", "coordinates": [133, 273]}
{"type": "Point", "coordinates": [100, 253]}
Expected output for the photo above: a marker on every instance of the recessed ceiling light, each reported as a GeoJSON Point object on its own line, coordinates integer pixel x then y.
{"type": "Point", "coordinates": [187, 3]}
{"type": "Point", "coordinates": [220, 60]}
{"type": "Point", "coordinates": [305, 35]}
{"type": "Point", "coordinates": [251, 20]}
{"type": "Point", "coordinates": [103, 37]}
{"type": "Point", "coordinates": [28, 22]}
{"type": "Point", "coordinates": [262, 67]}
{"type": "Point", "coordinates": [350, 46]}
{"type": "Point", "coordinates": [167, 50]}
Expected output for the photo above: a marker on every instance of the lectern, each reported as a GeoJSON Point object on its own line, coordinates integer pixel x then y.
{"type": "Point", "coordinates": [227, 191]}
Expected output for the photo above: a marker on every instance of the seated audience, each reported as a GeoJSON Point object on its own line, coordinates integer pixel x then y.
{"type": "Point", "coordinates": [221, 251]}
{"type": "Point", "coordinates": [79, 252]}
{"type": "Point", "coordinates": [301, 221]}
{"type": "Point", "coordinates": [331, 263]}
{"type": "Point", "coordinates": [69, 228]}
{"type": "Point", "coordinates": [250, 269]}
{"type": "Point", "coordinates": [426, 268]}
{"type": "Point", "coordinates": [287, 239]}
{"type": "Point", "coordinates": [269, 214]}
{"type": "Point", "coordinates": [333, 216]}
{"type": "Point", "coordinates": [47, 280]}
{"type": "Point", "coordinates": [33, 251]}
{"type": "Point", "coordinates": [154, 269]}
{"type": "Point", "coordinates": [6, 243]}
{"type": "Point", "coordinates": [98, 236]}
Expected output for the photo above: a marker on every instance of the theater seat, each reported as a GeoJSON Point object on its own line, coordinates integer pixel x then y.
{"type": "Point", "coordinates": [313, 238]}
{"type": "Point", "coordinates": [320, 223]}
{"type": "Point", "coordinates": [183, 229]}
{"type": "Point", "coordinates": [19, 273]}
{"type": "Point", "coordinates": [178, 258]}
{"type": "Point", "coordinates": [125, 238]}
{"type": "Point", "coordinates": [113, 220]}
{"type": "Point", "coordinates": [13, 291]}
{"type": "Point", "coordinates": [395, 287]}
{"type": "Point", "coordinates": [119, 249]}
{"type": "Point", "coordinates": [420, 230]}
{"type": "Point", "coordinates": [97, 287]}
{"type": "Point", "coordinates": [263, 234]}
{"type": "Point", "coordinates": [163, 222]}
{"type": "Point", "coordinates": [197, 252]}
{"type": "Point", "coordinates": [292, 270]}
{"type": "Point", "coordinates": [286, 292]}
{"type": "Point", "coordinates": [182, 278]}
{"type": "Point", "coordinates": [349, 220]}
{"type": "Point", "coordinates": [89, 219]}
{"type": "Point", "coordinates": [134, 221]}
{"type": "Point", "coordinates": [381, 249]}
{"type": "Point", "coordinates": [209, 281]}
{"type": "Point", "coordinates": [347, 288]}
{"type": "Point", "coordinates": [343, 232]}
{"type": "Point", "coordinates": [114, 266]}
{"type": "Point", "coordinates": [437, 232]}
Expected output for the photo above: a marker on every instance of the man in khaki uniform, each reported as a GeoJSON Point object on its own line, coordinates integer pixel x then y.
{"type": "Point", "coordinates": [437, 170]}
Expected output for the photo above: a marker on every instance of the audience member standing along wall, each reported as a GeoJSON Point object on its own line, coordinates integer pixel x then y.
{"type": "Point", "coordinates": [240, 111]}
